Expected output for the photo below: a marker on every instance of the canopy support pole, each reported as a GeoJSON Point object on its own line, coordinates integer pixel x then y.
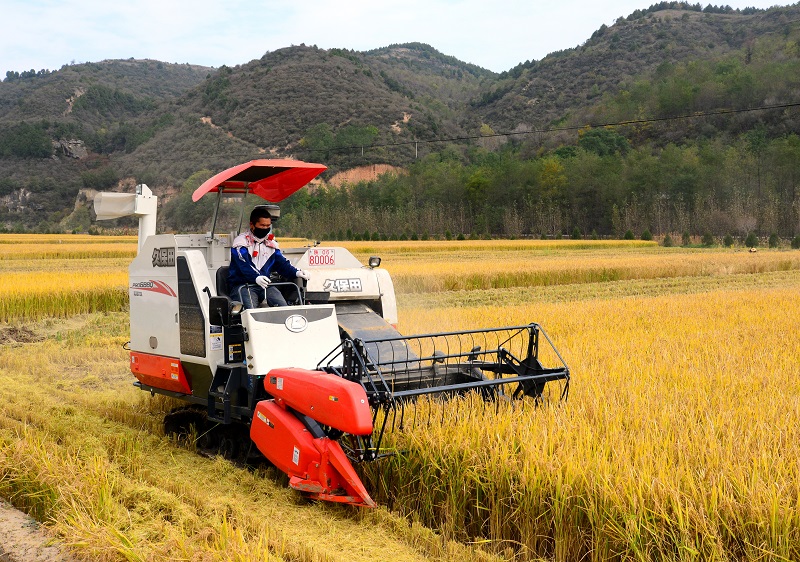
{"type": "Point", "coordinates": [241, 213]}
{"type": "Point", "coordinates": [216, 211]}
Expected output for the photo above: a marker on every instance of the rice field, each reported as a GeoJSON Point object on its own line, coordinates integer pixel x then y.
{"type": "Point", "coordinates": [679, 440]}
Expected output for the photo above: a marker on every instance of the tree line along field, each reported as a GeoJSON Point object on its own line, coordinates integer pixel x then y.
{"type": "Point", "coordinates": [679, 440]}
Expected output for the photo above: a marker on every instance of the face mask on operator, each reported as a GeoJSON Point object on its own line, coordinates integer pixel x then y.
{"type": "Point", "coordinates": [261, 233]}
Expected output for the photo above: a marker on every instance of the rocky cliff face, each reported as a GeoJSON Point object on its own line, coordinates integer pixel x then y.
{"type": "Point", "coordinates": [72, 148]}
{"type": "Point", "coordinates": [18, 201]}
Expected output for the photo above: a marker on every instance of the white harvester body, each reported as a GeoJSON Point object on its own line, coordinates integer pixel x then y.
{"type": "Point", "coordinates": [174, 276]}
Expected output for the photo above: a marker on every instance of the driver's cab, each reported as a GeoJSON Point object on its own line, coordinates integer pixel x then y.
{"type": "Point", "coordinates": [293, 290]}
{"type": "Point", "coordinates": [181, 315]}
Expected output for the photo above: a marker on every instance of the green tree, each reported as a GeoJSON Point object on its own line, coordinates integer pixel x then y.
{"type": "Point", "coordinates": [552, 177]}
{"type": "Point", "coordinates": [25, 140]}
{"type": "Point", "coordinates": [478, 187]}
{"type": "Point", "coordinates": [774, 241]}
{"type": "Point", "coordinates": [185, 214]}
{"type": "Point", "coordinates": [319, 138]}
{"type": "Point", "coordinates": [603, 142]}
{"type": "Point", "coordinates": [355, 136]}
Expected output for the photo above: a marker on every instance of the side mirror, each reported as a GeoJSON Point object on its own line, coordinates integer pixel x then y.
{"type": "Point", "coordinates": [219, 311]}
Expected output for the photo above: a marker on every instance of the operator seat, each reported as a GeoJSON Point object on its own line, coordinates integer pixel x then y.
{"type": "Point", "coordinates": [222, 281]}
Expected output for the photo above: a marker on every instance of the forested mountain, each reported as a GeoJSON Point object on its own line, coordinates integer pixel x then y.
{"type": "Point", "coordinates": [540, 168]}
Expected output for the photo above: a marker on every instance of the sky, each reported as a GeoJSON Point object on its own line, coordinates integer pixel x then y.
{"type": "Point", "coordinates": [497, 35]}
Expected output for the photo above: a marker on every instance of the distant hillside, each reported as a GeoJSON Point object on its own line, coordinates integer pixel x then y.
{"type": "Point", "coordinates": [163, 123]}
{"type": "Point", "coordinates": [403, 92]}
{"type": "Point", "coordinates": [650, 63]}
{"type": "Point", "coordinates": [315, 104]}
{"type": "Point", "coordinates": [122, 88]}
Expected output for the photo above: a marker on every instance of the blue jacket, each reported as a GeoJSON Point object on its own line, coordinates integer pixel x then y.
{"type": "Point", "coordinates": [243, 270]}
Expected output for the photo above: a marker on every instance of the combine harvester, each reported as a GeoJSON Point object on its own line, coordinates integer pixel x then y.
{"type": "Point", "coordinates": [313, 386]}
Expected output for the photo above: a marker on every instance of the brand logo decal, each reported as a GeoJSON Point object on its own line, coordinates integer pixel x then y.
{"type": "Point", "coordinates": [296, 323]}
{"type": "Point", "coordinates": [342, 285]}
{"type": "Point", "coordinates": [164, 257]}
{"type": "Point", "coordinates": [153, 287]}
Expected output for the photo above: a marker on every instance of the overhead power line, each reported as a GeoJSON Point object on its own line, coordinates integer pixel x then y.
{"type": "Point", "coordinates": [644, 121]}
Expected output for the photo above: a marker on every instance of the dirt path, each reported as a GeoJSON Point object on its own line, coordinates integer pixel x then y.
{"type": "Point", "coordinates": [22, 539]}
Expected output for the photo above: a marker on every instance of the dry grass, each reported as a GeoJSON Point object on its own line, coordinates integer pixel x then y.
{"type": "Point", "coordinates": [84, 453]}
{"type": "Point", "coordinates": [679, 440]}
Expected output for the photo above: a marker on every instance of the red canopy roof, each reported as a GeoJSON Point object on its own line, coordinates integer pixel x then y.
{"type": "Point", "coordinates": [273, 180]}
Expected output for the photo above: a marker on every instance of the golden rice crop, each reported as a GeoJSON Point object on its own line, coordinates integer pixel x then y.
{"type": "Point", "coordinates": [680, 439]}
{"type": "Point", "coordinates": [59, 292]}
{"type": "Point", "coordinates": [65, 239]}
{"type": "Point", "coordinates": [416, 247]}
{"type": "Point", "coordinates": [469, 271]}
{"type": "Point", "coordinates": [26, 251]}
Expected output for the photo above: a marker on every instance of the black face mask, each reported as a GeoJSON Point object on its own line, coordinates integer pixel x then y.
{"type": "Point", "coordinates": [261, 233]}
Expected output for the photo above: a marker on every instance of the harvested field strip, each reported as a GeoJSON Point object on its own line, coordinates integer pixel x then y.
{"type": "Point", "coordinates": [83, 454]}
{"type": "Point", "coordinates": [55, 266]}
{"type": "Point", "coordinates": [59, 287]}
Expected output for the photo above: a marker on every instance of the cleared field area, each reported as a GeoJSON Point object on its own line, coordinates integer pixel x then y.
{"type": "Point", "coordinates": [83, 451]}
{"type": "Point", "coordinates": [679, 440]}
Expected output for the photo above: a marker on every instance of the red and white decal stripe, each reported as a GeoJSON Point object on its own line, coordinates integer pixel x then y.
{"type": "Point", "coordinates": [155, 287]}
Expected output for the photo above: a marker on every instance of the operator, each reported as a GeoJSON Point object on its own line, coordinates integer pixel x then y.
{"type": "Point", "coordinates": [254, 256]}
